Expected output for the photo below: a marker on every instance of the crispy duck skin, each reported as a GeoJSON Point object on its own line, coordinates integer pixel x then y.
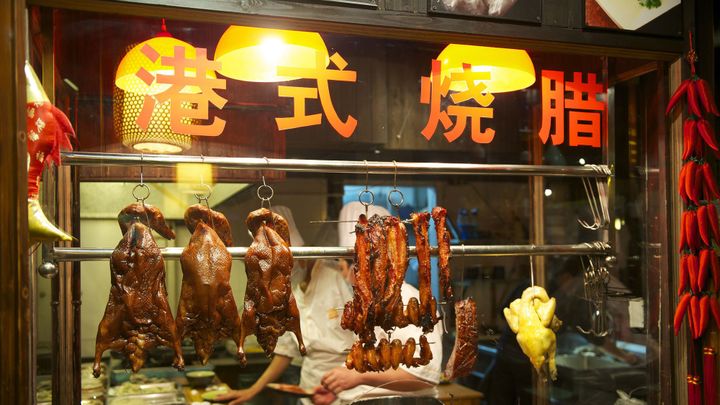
{"type": "Point", "coordinates": [464, 353]}
{"type": "Point", "coordinates": [137, 316]}
{"type": "Point", "coordinates": [378, 263]}
{"type": "Point", "coordinates": [207, 311]}
{"type": "Point", "coordinates": [270, 308]}
{"type": "Point", "coordinates": [428, 318]}
{"type": "Point", "coordinates": [388, 355]}
{"type": "Point", "coordinates": [146, 214]}
{"type": "Point", "coordinates": [439, 215]}
{"type": "Point", "coordinates": [198, 213]}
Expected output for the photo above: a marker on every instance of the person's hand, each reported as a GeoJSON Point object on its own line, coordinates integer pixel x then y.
{"type": "Point", "coordinates": [340, 379]}
{"type": "Point", "coordinates": [238, 396]}
{"type": "Point", "coordinates": [321, 396]}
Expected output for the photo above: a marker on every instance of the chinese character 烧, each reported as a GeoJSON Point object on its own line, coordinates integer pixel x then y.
{"type": "Point", "coordinates": [436, 87]}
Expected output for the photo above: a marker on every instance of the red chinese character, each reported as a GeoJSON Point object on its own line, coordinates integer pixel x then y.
{"type": "Point", "coordinates": [584, 126]}
{"type": "Point", "coordinates": [584, 97]}
{"type": "Point", "coordinates": [180, 115]}
{"type": "Point", "coordinates": [434, 88]}
{"type": "Point", "coordinates": [301, 94]}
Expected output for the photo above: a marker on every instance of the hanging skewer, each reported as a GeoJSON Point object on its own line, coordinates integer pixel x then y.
{"type": "Point", "coordinates": [336, 166]}
{"type": "Point", "coordinates": [311, 252]}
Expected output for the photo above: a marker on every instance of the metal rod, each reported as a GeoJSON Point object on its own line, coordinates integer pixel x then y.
{"type": "Point", "coordinates": [335, 166]}
{"type": "Point", "coordinates": [309, 252]}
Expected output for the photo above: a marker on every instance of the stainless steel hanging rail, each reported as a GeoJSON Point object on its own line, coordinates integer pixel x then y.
{"type": "Point", "coordinates": [309, 252]}
{"type": "Point", "coordinates": [335, 166]}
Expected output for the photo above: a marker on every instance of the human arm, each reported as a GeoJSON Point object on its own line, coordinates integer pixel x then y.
{"type": "Point", "coordinates": [341, 379]}
{"type": "Point", "coordinates": [277, 366]}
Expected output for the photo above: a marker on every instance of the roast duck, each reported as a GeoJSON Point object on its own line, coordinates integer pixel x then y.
{"type": "Point", "coordinates": [137, 317]}
{"type": "Point", "coordinates": [532, 318]}
{"type": "Point", "coordinates": [270, 307]}
{"type": "Point", "coordinates": [207, 311]}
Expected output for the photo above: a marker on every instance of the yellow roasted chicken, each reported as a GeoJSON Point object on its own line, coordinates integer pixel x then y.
{"type": "Point", "coordinates": [532, 318]}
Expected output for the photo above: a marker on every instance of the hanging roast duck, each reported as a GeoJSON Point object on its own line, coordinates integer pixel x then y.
{"type": "Point", "coordinates": [137, 317]}
{"type": "Point", "coordinates": [207, 311]}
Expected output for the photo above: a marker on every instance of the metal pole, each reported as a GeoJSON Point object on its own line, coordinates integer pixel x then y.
{"type": "Point", "coordinates": [334, 166]}
{"type": "Point", "coordinates": [173, 253]}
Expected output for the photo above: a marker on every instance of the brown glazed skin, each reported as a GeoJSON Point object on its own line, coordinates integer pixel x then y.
{"type": "Point", "coordinates": [137, 317]}
{"type": "Point", "coordinates": [462, 359]}
{"type": "Point", "coordinates": [428, 315]}
{"type": "Point", "coordinates": [438, 215]}
{"type": "Point", "coordinates": [207, 311]}
{"type": "Point", "coordinates": [270, 307]}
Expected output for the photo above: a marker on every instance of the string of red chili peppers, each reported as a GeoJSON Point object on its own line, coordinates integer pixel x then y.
{"type": "Point", "coordinates": [698, 229]}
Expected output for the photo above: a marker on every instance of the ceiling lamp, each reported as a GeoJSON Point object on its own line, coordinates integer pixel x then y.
{"type": "Point", "coordinates": [254, 54]}
{"type": "Point", "coordinates": [164, 44]}
{"type": "Point", "coordinates": [158, 137]}
{"type": "Point", "coordinates": [510, 69]}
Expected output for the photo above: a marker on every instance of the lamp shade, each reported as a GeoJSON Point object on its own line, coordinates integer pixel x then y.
{"type": "Point", "coordinates": [164, 45]}
{"type": "Point", "coordinates": [253, 54]}
{"type": "Point", "coordinates": [158, 137]}
{"type": "Point", "coordinates": [510, 69]}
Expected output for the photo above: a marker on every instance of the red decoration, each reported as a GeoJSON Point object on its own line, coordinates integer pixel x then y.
{"type": "Point", "coordinates": [699, 230]}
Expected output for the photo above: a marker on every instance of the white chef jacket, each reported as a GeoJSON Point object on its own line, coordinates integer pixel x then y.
{"type": "Point", "coordinates": [327, 344]}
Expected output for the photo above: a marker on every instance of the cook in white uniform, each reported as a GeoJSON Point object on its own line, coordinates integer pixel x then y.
{"type": "Point", "coordinates": [323, 370]}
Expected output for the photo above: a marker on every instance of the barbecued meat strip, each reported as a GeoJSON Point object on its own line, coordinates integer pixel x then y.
{"type": "Point", "coordinates": [397, 253]}
{"type": "Point", "coordinates": [270, 307]}
{"type": "Point", "coordinates": [428, 317]}
{"type": "Point", "coordinates": [137, 316]}
{"type": "Point", "coordinates": [438, 215]}
{"type": "Point", "coordinates": [358, 314]}
{"type": "Point", "coordinates": [464, 353]}
{"type": "Point", "coordinates": [207, 311]}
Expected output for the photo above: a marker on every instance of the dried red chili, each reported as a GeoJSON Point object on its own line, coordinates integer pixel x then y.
{"type": "Point", "coordinates": [706, 97]}
{"type": "Point", "coordinates": [681, 183]}
{"type": "Point", "coordinates": [704, 305]}
{"type": "Point", "coordinates": [710, 180]}
{"type": "Point", "coordinates": [715, 268]}
{"type": "Point", "coordinates": [713, 219]}
{"type": "Point", "coordinates": [690, 180]}
{"type": "Point", "coordinates": [689, 128]}
{"type": "Point", "coordinates": [695, 316]}
{"type": "Point", "coordinates": [703, 225]}
{"type": "Point", "coordinates": [692, 100]}
{"type": "Point", "coordinates": [715, 309]}
{"type": "Point", "coordinates": [680, 311]}
{"type": "Point", "coordinates": [692, 266]}
{"type": "Point", "coordinates": [704, 269]}
{"type": "Point", "coordinates": [691, 231]}
{"type": "Point", "coordinates": [679, 93]}
{"type": "Point", "coordinates": [683, 279]}
{"type": "Point", "coordinates": [706, 133]}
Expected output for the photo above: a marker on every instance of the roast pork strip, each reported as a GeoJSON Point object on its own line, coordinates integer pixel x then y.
{"type": "Point", "coordinates": [428, 317]}
{"type": "Point", "coordinates": [464, 353]}
{"type": "Point", "coordinates": [439, 215]}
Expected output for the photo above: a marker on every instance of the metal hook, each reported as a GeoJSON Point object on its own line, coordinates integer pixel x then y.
{"type": "Point", "coordinates": [367, 191]}
{"type": "Point", "coordinates": [395, 190]}
{"type": "Point", "coordinates": [265, 188]}
{"type": "Point", "coordinates": [595, 282]}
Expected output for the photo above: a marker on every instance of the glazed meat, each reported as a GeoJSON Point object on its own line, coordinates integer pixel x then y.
{"type": "Point", "coordinates": [137, 317]}
{"type": "Point", "coordinates": [207, 311]}
{"type": "Point", "coordinates": [438, 215]}
{"type": "Point", "coordinates": [464, 353]}
{"type": "Point", "coordinates": [397, 266]}
{"type": "Point", "coordinates": [428, 314]}
{"type": "Point", "coordinates": [366, 357]}
{"type": "Point", "coordinates": [358, 314]}
{"type": "Point", "coordinates": [270, 308]}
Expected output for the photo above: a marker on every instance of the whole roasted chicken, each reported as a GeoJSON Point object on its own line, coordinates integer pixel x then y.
{"type": "Point", "coordinates": [270, 307]}
{"type": "Point", "coordinates": [207, 311]}
{"type": "Point", "coordinates": [532, 318]}
{"type": "Point", "coordinates": [137, 317]}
